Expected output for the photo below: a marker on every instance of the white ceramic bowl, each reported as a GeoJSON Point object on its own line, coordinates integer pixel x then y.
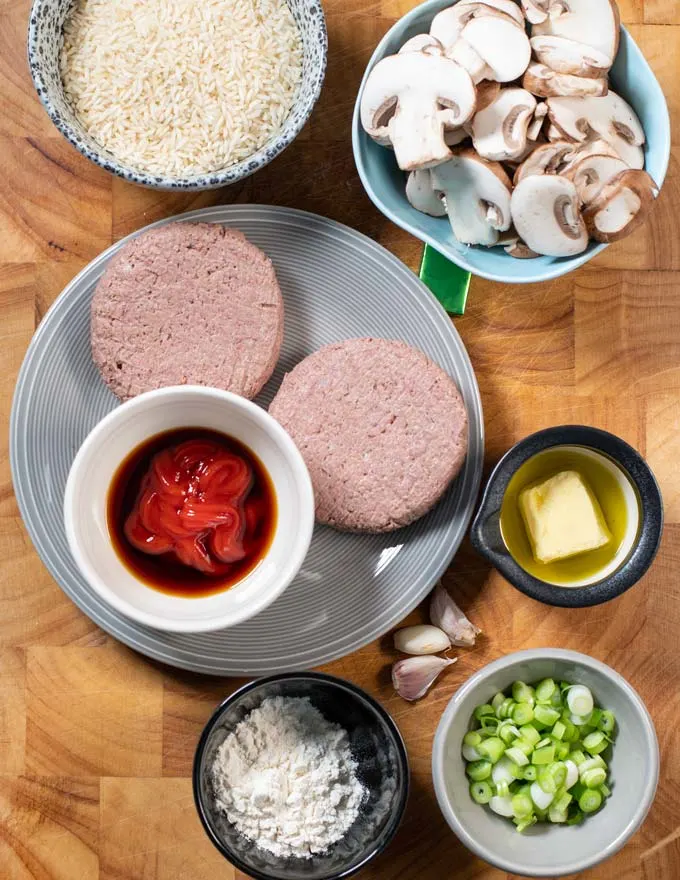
{"type": "Point", "coordinates": [549, 850]}
{"type": "Point", "coordinates": [125, 428]}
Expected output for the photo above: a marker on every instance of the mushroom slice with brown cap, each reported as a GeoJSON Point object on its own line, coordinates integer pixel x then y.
{"type": "Point", "coordinates": [593, 22]}
{"type": "Point", "coordinates": [555, 133]}
{"type": "Point", "coordinates": [423, 43]}
{"type": "Point", "coordinates": [610, 118]}
{"type": "Point", "coordinates": [548, 159]}
{"type": "Point", "coordinates": [546, 214]}
{"type": "Point", "coordinates": [545, 83]}
{"type": "Point", "coordinates": [519, 251]}
{"type": "Point", "coordinates": [410, 99]}
{"type": "Point", "coordinates": [447, 25]}
{"type": "Point", "coordinates": [499, 132]}
{"type": "Point", "coordinates": [487, 92]}
{"type": "Point", "coordinates": [568, 56]}
{"type": "Point", "coordinates": [477, 197]}
{"type": "Point", "coordinates": [536, 11]}
{"type": "Point", "coordinates": [502, 45]}
{"type": "Point", "coordinates": [591, 173]}
{"type": "Point", "coordinates": [598, 147]}
{"type": "Point", "coordinates": [621, 206]}
{"type": "Point", "coordinates": [422, 196]}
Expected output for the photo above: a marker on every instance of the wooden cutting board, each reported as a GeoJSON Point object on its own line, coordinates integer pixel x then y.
{"type": "Point", "coordinates": [96, 743]}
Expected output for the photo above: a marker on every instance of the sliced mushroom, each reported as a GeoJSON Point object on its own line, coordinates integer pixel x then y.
{"type": "Point", "coordinates": [593, 22]}
{"type": "Point", "coordinates": [410, 99]}
{"type": "Point", "coordinates": [591, 173]}
{"type": "Point", "coordinates": [477, 197]}
{"type": "Point", "coordinates": [502, 45]}
{"type": "Point", "coordinates": [609, 117]}
{"type": "Point", "coordinates": [520, 251]}
{"type": "Point", "coordinates": [422, 196]}
{"type": "Point", "coordinates": [447, 26]}
{"type": "Point", "coordinates": [621, 206]}
{"type": "Point", "coordinates": [545, 83]}
{"type": "Point", "coordinates": [546, 214]}
{"type": "Point", "coordinates": [568, 56]}
{"type": "Point", "coordinates": [536, 124]}
{"type": "Point", "coordinates": [548, 159]}
{"type": "Point", "coordinates": [598, 147]}
{"type": "Point", "coordinates": [462, 53]}
{"type": "Point", "coordinates": [499, 132]}
{"type": "Point", "coordinates": [423, 43]}
{"type": "Point", "coordinates": [536, 11]}
{"type": "Point", "coordinates": [487, 92]}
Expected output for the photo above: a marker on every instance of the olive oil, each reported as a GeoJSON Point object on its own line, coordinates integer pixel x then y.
{"type": "Point", "coordinates": [605, 485]}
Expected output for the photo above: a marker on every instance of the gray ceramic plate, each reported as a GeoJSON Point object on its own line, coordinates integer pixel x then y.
{"type": "Point", "coordinates": [352, 588]}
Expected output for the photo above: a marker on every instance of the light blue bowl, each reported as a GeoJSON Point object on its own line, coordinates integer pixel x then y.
{"type": "Point", "coordinates": [631, 77]}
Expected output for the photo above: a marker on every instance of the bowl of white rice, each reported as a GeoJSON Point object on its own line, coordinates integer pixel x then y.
{"type": "Point", "coordinates": [178, 94]}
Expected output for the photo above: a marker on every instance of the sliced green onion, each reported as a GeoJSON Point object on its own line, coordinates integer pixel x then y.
{"type": "Point", "coordinates": [522, 805]}
{"type": "Point", "coordinates": [503, 789]}
{"type": "Point", "coordinates": [575, 818]}
{"type": "Point", "coordinates": [562, 801]}
{"type": "Point", "coordinates": [505, 770]}
{"type": "Point", "coordinates": [489, 725]}
{"type": "Point", "coordinates": [507, 732]}
{"type": "Point", "coordinates": [497, 700]}
{"type": "Point", "coordinates": [481, 792]}
{"type": "Point", "coordinates": [522, 693]}
{"type": "Point", "coordinates": [523, 713]}
{"type": "Point", "coordinates": [607, 722]}
{"type": "Point", "coordinates": [577, 757]}
{"type": "Point", "coordinates": [472, 738]}
{"type": "Point", "coordinates": [579, 699]}
{"type": "Point", "coordinates": [530, 773]}
{"type": "Point", "coordinates": [492, 748]}
{"type": "Point", "coordinates": [541, 798]}
{"type": "Point", "coordinates": [572, 774]}
{"type": "Point", "coordinates": [470, 753]}
{"type": "Point", "coordinates": [544, 742]}
{"type": "Point", "coordinates": [483, 710]}
{"type": "Point", "coordinates": [545, 689]}
{"type": "Point", "coordinates": [559, 729]}
{"type": "Point", "coordinates": [557, 816]}
{"type": "Point", "coordinates": [571, 732]}
{"type": "Point", "coordinates": [546, 715]}
{"type": "Point", "coordinates": [544, 755]}
{"type": "Point", "coordinates": [530, 733]}
{"type": "Point", "coordinates": [595, 742]}
{"type": "Point", "coordinates": [502, 805]}
{"type": "Point", "coordinates": [562, 751]}
{"type": "Point", "coordinates": [590, 801]}
{"type": "Point", "coordinates": [479, 770]}
{"type": "Point", "coordinates": [505, 708]}
{"type": "Point", "coordinates": [517, 756]}
{"type": "Point", "coordinates": [525, 822]}
{"type": "Point", "coordinates": [591, 763]}
{"type": "Point", "coordinates": [546, 781]}
{"type": "Point", "coordinates": [593, 778]}
{"type": "Point", "coordinates": [604, 790]}
{"type": "Point", "coordinates": [523, 745]}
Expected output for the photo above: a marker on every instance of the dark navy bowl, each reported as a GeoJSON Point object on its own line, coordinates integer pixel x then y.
{"type": "Point", "coordinates": [376, 746]}
{"type": "Point", "coordinates": [486, 533]}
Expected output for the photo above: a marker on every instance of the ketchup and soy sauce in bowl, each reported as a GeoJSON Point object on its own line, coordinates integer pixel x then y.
{"type": "Point", "coordinates": [189, 509]}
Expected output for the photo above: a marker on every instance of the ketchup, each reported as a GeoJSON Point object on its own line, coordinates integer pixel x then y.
{"type": "Point", "coordinates": [191, 512]}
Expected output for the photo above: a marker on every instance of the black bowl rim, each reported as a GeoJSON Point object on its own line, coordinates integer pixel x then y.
{"type": "Point", "coordinates": [323, 678]}
{"type": "Point", "coordinates": [651, 526]}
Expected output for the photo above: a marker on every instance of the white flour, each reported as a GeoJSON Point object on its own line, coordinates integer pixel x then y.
{"type": "Point", "coordinates": [286, 779]}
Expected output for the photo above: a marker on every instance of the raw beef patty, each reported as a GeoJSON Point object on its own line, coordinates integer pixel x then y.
{"type": "Point", "coordinates": [187, 303]}
{"type": "Point", "coordinates": [382, 428]}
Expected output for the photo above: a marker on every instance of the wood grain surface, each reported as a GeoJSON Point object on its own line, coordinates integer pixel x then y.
{"type": "Point", "coordinates": [96, 743]}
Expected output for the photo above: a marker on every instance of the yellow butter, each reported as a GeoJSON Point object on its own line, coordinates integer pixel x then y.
{"type": "Point", "coordinates": [562, 517]}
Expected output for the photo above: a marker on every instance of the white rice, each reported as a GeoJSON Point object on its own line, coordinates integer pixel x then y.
{"type": "Point", "coordinates": [181, 87]}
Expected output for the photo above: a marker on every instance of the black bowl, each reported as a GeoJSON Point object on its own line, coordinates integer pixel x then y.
{"type": "Point", "coordinates": [486, 533]}
{"type": "Point", "coordinates": [376, 746]}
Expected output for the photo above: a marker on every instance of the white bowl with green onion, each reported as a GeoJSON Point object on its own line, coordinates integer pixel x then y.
{"type": "Point", "coordinates": [545, 762]}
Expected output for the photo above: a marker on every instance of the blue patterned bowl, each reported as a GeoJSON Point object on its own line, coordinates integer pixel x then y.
{"type": "Point", "coordinates": [44, 38]}
{"type": "Point", "coordinates": [631, 77]}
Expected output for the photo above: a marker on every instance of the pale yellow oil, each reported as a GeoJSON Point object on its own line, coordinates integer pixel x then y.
{"type": "Point", "coordinates": [605, 487]}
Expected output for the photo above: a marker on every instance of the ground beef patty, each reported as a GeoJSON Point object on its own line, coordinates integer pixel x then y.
{"type": "Point", "coordinates": [187, 303]}
{"type": "Point", "coordinates": [382, 428]}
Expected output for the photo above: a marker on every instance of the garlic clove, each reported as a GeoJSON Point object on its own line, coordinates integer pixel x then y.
{"type": "Point", "coordinates": [422, 639]}
{"type": "Point", "coordinates": [445, 614]}
{"type": "Point", "coordinates": [413, 677]}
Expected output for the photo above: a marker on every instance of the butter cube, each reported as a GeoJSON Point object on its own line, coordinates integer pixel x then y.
{"type": "Point", "coordinates": [562, 517]}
